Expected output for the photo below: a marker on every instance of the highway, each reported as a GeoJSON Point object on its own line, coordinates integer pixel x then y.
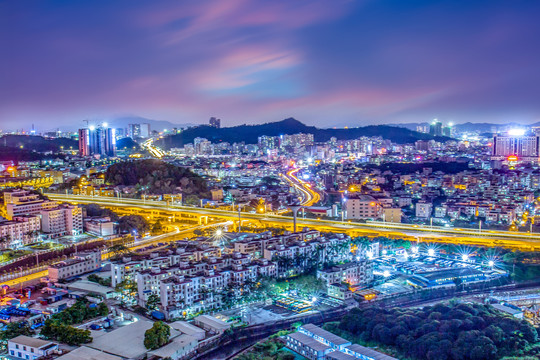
{"type": "Point", "coordinates": [393, 230]}
{"type": "Point", "coordinates": [309, 196]}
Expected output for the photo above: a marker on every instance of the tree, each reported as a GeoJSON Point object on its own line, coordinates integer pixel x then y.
{"type": "Point", "coordinates": [157, 228]}
{"type": "Point", "coordinates": [152, 302]}
{"type": "Point", "coordinates": [15, 329]}
{"type": "Point", "coordinates": [119, 250]}
{"type": "Point", "coordinates": [127, 287]}
{"type": "Point", "coordinates": [65, 333]}
{"type": "Point", "coordinates": [130, 223]}
{"type": "Point", "coordinates": [157, 335]}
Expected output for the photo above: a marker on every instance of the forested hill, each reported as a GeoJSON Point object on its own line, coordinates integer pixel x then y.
{"type": "Point", "coordinates": [250, 133]}
{"type": "Point", "coordinates": [156, 177]}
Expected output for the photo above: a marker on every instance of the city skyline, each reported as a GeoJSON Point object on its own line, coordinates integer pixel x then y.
{"type": "Point", "coordinates": [349, 64]}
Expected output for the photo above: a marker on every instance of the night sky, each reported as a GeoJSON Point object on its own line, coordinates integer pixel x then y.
{"type": "Point", "coordinates": [326, 63]}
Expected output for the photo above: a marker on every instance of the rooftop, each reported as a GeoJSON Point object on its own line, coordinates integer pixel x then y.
{"type": "Point", "coordinates": [212, 321]}
{"type": "Point", "coordinates": [30, 341]}
{"type": "Point", "coordinates": [308, 341]}
{"type": "Point", "coordinates": [178, 343]}
{"type": "Point", "coordinates": [127, 341]}
{"type": "Point", "coordinates": [87, 353]}
{"type": "Point", "coordinates": [338, 355]}
{"type": "Point", "coordinates": [332, 338]}
{"type": "Point", "coordinates": [375, 355]}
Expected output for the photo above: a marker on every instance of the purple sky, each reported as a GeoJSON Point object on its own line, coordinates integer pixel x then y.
{"type": "Point", "coordinates": [323, 62]}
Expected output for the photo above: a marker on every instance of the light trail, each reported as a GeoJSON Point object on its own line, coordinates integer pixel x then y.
{"type": "Point", "coordinates": [442, 234]}
{"type": "Point", "coordinates": [152, 149]}
{"type": "Point", "coordinates": [310, 197]}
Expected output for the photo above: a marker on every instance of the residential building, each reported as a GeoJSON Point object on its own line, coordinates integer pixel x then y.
{"type": "Point", "coordinates": [62, 220]}
{"type": "Point", "coordinates": [80, 264]}
{"type": "Point", "coordinates": [423, 209]}
{"type": "Point", "coordinates": [359, 206]}
{"type": "Point", "coordinates": [99, 226]}
{"type": "Point", "coordinates": [20, 231]}
{"type": "Point", "coordinates": [353, 273]}
{"type": "Point", "coordinates": [29, 348]}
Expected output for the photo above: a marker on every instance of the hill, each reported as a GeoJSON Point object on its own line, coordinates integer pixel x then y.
{"type": "Point", "coordinates": [156, 177]}
{"type": "Point", "coordinates": [250, 133]}
{"type": "Point", "coordinates": [37, 143]}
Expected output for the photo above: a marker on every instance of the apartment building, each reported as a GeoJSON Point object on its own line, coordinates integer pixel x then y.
{"type": "Point", "coordinates": [62, 220]}
{"type": "Point", "coordinates": [353, 273]}
{"type": "Point", "coordinates": [99, 226]}
{"type": "Point", "coordinates": [362, 207]}
{"type": "Point", "coordinates": [21, 230]}
{"type": "Point", "coordinates": [23, 202]}
{"type": "Point", "coordinates": [29, 348]}
{"type": "Point", "coordinates": [80, 264]}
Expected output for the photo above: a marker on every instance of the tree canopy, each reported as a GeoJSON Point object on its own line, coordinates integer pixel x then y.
{"type": "Point", "coordinates": [157, 335]}
{"type": "Point", "coordinates": [441, 332]}
{"type": "Point", "coordinates": [156, 177]}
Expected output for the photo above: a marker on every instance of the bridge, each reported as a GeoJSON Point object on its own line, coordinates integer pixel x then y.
{"type": "Point", "coordinates": [420, 233]}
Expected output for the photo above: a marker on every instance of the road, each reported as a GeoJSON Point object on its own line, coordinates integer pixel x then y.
{"type": "Point", "coordinates": [309, 196]}
{"type": "Point", "coordinates": [393, 230]}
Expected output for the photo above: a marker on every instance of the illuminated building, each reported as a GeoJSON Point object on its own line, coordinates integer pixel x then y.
{"type": "Point", "coordinates": [515, 143]}
{"type": "Point", "coordinates": [436, 128]}
{"type": "Point", "coordinates": [359, 206]}
{"type": "Point", "coordinates": [99, 140]}
{"type": "Point", "coordinates": [84, 142]}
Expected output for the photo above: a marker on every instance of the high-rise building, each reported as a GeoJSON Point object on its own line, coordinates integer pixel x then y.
{"type": "Point", "coordinates": [268, 142]}
{"type": "Point", "coordinates": [110, 142]}
{"type": "Point", "coordinates": [435, 128]}
{"type": "Point", "coordinates": [134, 130]}
{"type": "Point", "coordinates": [516, 144]}
{"type": "Point", "coordinates": [97, 141]}
{"type": "Point", "coordinates": [215, 122]}
{"type": "Point", "coordinates": [145, 130]}
{"type": "Point", "coordinates": [202, 146]}
{"type": "Point", "coordinates": [448, 130]}
{"type": "Point", "coordinates": [422, 128]}
{"type": "Point", "coordinates": [84, 142]}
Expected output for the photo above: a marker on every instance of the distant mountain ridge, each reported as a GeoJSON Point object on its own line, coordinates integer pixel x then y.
{"type": "Point", "coordinates": [250, 133]}
{"type": "Point", "coordinates": [469, 126]}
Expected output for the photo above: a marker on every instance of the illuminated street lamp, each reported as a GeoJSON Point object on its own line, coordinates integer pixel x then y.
{"type": "Point", "coordinates": [219, 232]}
{"type": "Point", "coordinates": [491, 263]}
{"type": "Point", "coordinates": [465, 257]}
{"type": "Point", "coordinates": [431, 252]}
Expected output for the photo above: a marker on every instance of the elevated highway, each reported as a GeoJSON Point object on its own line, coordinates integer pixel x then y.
{"type": "Point", "coordinates": [509, 239]}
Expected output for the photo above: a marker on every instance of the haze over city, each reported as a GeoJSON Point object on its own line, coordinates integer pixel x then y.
{"type": "Point", "coordinates": [339, 63]}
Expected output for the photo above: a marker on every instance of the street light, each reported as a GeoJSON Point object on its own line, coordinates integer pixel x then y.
{"type": "Point", "coordinates": [491, 263]}
{"type": "Point", "coordinates": [219, 232]}
{"type": "Point", "coordinates": [465, 257]}
{"type": "Point", "coordinates": [431, 252]}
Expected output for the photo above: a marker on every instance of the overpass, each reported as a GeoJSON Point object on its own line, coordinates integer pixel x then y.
{"type": "Point", "coordinates": [421, 233]}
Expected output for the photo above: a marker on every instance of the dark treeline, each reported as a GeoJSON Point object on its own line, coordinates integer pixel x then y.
{"type": "Point", "coordinates": [442, 332]}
